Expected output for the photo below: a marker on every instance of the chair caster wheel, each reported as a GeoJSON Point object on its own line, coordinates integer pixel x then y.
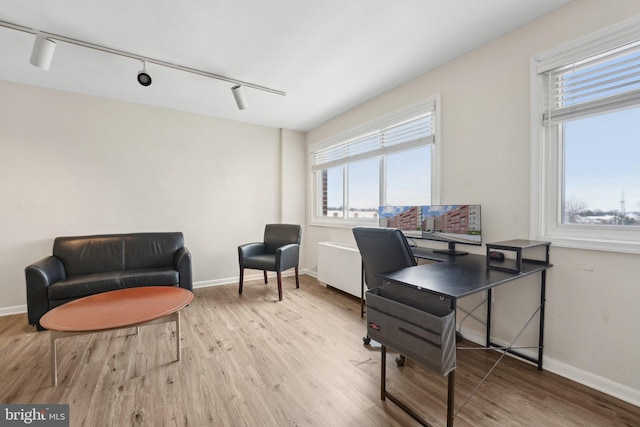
{"type": "Point", "coordinates": [400, 360]}
{"type": "Point", "coordinates": [366, 340]}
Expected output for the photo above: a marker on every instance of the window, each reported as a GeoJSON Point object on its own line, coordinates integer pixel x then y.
{"type": "Point", "coordinates": [363, 190]}
{"type": "Point", "coordinates": [388, 161]}
{"type": "Point", "coordinates": [586, 122]}
{"type": "Point", "coordinates": [408, 181]}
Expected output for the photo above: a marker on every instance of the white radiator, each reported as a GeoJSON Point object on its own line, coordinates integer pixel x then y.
{"type": "Point", "coordinates": [339, 266]}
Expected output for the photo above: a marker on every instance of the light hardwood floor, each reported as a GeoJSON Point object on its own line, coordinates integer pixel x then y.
{"type": "Point", "coordinates": [253, 361]}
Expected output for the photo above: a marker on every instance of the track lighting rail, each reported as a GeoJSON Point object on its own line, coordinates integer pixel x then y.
{"type": "Point", "coordinates": [138, 57]}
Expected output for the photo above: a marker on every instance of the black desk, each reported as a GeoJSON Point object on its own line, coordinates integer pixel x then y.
{"type": "Point", "coordinates": [456, 277]}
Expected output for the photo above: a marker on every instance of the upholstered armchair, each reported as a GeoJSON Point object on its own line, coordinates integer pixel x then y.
{"type": "Point", "coordinates": [279, 251]}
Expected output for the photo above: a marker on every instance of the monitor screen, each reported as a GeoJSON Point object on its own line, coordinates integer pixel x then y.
{"type": "Point", "coordinates": [443, 223]}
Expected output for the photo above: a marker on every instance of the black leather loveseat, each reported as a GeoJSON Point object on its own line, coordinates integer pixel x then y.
{"type": "Point", "coordinates": [87, 265]}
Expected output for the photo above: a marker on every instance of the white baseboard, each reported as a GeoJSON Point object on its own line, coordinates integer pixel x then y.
{"type": "Point", "coordinates": [16, 309]}
{"type": "Point", "coordinates": [255, 276]}
{"type": "Point", "coordinates": [605, 385]}
{"type": "Point", "coordinates": [217, 282]}
{"type": "Point", "coordinates": [596, 382]}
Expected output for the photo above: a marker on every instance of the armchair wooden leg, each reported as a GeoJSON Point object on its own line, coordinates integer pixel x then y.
{"type": "Point", "coordinates": [279, 285]}
{"type": "Point", "coordinates": [265, 276]}
{"type": "Point", "coordinates": [241, 280]}
{"type": "Point", "coordinates": [297, 279]}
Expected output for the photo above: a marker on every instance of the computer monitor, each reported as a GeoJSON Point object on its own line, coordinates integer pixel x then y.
{"type": "Point", "coordinates": [443, 223]}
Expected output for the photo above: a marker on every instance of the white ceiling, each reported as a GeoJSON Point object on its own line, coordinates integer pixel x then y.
{"type": "Point", "coordinates": [327, 55]}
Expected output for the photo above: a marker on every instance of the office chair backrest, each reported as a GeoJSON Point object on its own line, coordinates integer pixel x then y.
{"type": "Point", "coordinates": [382, 250]}
{"type": "Point", "coordinates": [278, 235]}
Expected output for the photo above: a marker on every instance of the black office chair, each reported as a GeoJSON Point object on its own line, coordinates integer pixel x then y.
{"type": "Point", "coordinates": [279, 251]}
{"type": "Point", "coordinates": [382, 250]}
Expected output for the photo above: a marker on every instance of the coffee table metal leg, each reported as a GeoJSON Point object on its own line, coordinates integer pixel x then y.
{"type": "Point", "coordinates": [54, 361]}
{"type": "Point", "coordinates": [178, 344]}
{"type": "Point", "coordinates": [54, 351]}
{"type": "Point", "coordinates": [173, 317]}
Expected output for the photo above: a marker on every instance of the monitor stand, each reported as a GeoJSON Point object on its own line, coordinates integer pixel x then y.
{"type": "Point", "coordinates": [451, 250]}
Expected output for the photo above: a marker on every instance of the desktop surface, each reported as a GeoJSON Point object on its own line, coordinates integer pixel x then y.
{"type": "Point", "coordinates": [456, 276]}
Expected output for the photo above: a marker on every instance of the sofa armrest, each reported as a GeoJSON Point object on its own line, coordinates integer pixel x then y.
{"type": "Point", "coordinates": [182, 263]}
{"type": "Point", "coordinates": [39, 276]}
{"type": "Point", "coordinates": [287, 256]}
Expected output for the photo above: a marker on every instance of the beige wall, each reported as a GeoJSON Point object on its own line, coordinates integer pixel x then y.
{"type": "Point", "coordinates": [73, 164]}
{"type": "Point", "coordinates": [593, 297]}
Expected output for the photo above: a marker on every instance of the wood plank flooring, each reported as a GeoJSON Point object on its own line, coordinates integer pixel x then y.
{"type": "Point", "coordinates": [250, 360]}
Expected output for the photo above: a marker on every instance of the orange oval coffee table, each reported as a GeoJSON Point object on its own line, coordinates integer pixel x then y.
{"type": "Point", "coordinates": [123, 308]}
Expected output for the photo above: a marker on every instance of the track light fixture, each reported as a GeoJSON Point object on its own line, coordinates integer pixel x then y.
{"type": "Point", "coordinates": [143, 78]}
{"type": "Point", "coordinates": [44, 48]}
{"type": "Point", "coordinates": [42, 53]}
{"type": "Point", "coordinates": [238, 94]}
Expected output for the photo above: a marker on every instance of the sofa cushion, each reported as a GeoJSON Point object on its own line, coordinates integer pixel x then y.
{"type": "Point", "coordinates": [149, 250]}
{"type": "Point", "coordinates": [89, 284]}
{"type": "Point", "coordinates": [148, 277]}
{"type": "Point", "coordinates": [83, 255]}
{"type": "Point", "coordinates": [84, 285]}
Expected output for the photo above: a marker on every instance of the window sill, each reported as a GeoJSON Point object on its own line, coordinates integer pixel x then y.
{"type": "Point", "coordinates": [344, 223]}
{"type": "Point", "coordinates": [606, 245]}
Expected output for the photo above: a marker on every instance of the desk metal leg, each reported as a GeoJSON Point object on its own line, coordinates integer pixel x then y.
{"type": "Point", "coordinates": [539, 310]}
{"type": "Point", "coordinates": [383, 373]}
{"type": "Point", "coordinates": [543, 286]}
{"type": "Point", "coordinates": [488, 337]}
{"type": "Point", "coordinates": [362, 289]}
{"type": "Point", "coordinates": [451, 380]}
{"type": "Point", "coordinates": [413, 414]}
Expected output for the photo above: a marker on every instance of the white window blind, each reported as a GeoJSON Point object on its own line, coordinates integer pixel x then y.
{"type": "Point", "coordinates": [411, 130]}
{"type": "Point", "coordinates": [595, 85]}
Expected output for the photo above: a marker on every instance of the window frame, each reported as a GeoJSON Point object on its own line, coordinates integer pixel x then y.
{"type": "Point", "coordinates": [386, 120]}
{"type": "Point", "coordinates": [547, 151]}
